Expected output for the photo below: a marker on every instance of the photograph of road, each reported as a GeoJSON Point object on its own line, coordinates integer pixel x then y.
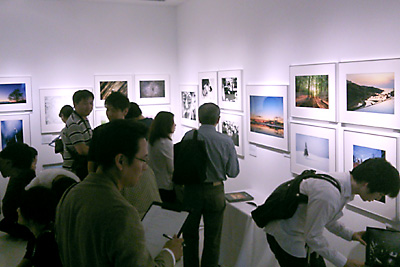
{"type": "Point", "coordinates": [312, 91]}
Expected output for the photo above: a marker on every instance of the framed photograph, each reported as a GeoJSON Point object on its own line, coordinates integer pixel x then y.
{"type": "Point", "coordinates": [208, 91]}
{"type": "Point", "coordinates": [189, 105]}
{"type": "Point", "coordinates": [100, 117]}
{"type": "Point", "coordinates": [312, 147]}
{"type": "Point", "coordinates": [104, 85]}
{"type": "Point", "coordinates": [232, 126]}
{"type": "Point", "coordinates": [15, 94]}
{"type": "Point", "coordinates": [313, 91]}
{"type": "Point", "coordinates": [268, 115]}
{"type": "Point", "coordinates": [359, 147]}
{"type": "Point", "coordinates": [383, 247]}
{"type": "Point", "coordinates": [230, 95]}
{"type": "Point", "coordinates": [51, 102]}
{"type": "Point", "coordinates": [152, 111]}
{"type": "Point", "coordinates": [368, 93]}
{"type": "Point", "coordinates": [14, 129]}
{"type": "Point", "coordinates": [152, 89]}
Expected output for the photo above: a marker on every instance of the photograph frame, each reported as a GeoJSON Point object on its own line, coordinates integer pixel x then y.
{"type": "Point", "coordinates": [329, 69]}
{"type": "Point", "coordinates": [236, 105]}
{"type": "Point", "coordinates": [213, 84]}
{"type": "Point", "coordinates": [280, 143]}
{"type": "Point", "coordinates": [378, 142]}
{"type": "Point", "coordinates": [238, 120]}
{"type": "Point", "coordinates": [152, 100]}
{"type": "Point", "coordinates": [100, 117]}
{"type": "Point", "coordinates": [374, 119]}
{"type": "Point", "coordinates": [25, 118]}
{"type": "Point", "coordinates": [193, 107]}
{"type": "Point", "coordinates": [53, 107]}
{"type": "Point", "coordinates": [99, 103]}
{"type": "Point", "coordinates": [18, 107]}
{"type": "Point", "coordinates": [314, 132]}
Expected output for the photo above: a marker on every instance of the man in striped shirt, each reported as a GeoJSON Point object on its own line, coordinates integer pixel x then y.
{"type": "Point", "coordinates": [78, 134]}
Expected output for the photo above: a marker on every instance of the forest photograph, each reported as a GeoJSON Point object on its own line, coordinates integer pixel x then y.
{"type": "Point", "coordinates": [312, 91]}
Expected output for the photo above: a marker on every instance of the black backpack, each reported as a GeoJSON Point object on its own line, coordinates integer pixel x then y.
{"type": "Point", "coordinates": [284, 200]}
{"type": "Point", "coordinates": [190, 161]}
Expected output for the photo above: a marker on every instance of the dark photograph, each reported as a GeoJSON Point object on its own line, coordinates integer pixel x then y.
{"type": "Point", "coordinates": [383, 248]}
{"type": "Point", "coordinates": [11, 132]}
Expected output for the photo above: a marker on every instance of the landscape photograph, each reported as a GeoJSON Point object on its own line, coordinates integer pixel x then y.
{"type": "Point", "coordinates": [266, 115]}
{"type": "Point", "coordinates": [312, 152]}
{"type": "Point", "coordinates": [12, 93]}
{"type": "Point", "coordinates": [312, 91]}
{"type": "Point", "coordinates": [370, 92]}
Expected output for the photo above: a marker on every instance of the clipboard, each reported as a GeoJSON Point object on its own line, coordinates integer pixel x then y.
{"type": "Point", "coordinates": [161, 219]}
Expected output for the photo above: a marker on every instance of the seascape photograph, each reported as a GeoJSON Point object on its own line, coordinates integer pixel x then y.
{"type": "Point", "coordinates": [312, 91]}
{"type": "Point", "coordinates": [312, 152]}
{"type": "Point", "coordinates": [107, 87]}
{"type": "Point", "coordinates": [13, 93]}
{"type": "Point", "coordinates": [370, 92]}
{"type": "Point", "coordinates": [266, 115]}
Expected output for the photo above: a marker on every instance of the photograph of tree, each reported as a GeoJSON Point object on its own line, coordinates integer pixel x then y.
{"type": "Point", "coordinates": [312, 152]}
{"type": "Point", "coordinates": [11, 132]}
{"type": "Point", "coordinates": [370, 92]}
{"type": "Point", "coordinates": [107, 87]}
{"type": "Point", "coordinates": [266, 115]}
{"type": "Point", "coordinates": [312, 91]}
{"type": "Point", "coordinates": [149, 89]}
{"type": "Point", "coordinates": [12, 93]}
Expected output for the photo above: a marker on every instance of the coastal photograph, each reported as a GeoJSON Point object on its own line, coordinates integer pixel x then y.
{"type": "Point", "coordinates": [370, 92]}
{"type": "Point", "coordinates": [266, 115]}
{"type": "Point", "coordinates": [12, 93]}
{"type": "Point", "coordinates": [312, 91]}
{"type": "Point", "coordinates": [312, 152]}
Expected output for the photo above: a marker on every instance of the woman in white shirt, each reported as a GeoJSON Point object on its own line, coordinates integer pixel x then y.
{"type": "Point", "coordinates": [161, 157]}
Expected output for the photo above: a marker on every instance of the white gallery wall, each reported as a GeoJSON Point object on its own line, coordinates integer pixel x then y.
{"type": "Point", "coordinates": [265, 37]}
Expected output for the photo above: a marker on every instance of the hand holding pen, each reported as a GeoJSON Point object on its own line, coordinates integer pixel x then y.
{"type": "Point", "coordinates": [175, 244]}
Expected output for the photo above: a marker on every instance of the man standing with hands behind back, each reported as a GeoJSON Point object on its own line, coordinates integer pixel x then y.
{"type": "Point", "coordinates": [208, 198]}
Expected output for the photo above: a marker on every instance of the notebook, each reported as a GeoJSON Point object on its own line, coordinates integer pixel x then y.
{"type": "Point", "coordinates": [383, 247]}
{"type": "Point", "coordinates": [238, 196]}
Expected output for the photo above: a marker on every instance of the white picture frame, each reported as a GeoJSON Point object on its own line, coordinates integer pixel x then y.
{"type": "Point", "coordinates": [152, 89]}
{"type": "Point", "coordinates": [51, 102]}
{"type": "Point", "coordinates": [14, 128]}
{"type": "Point", "coordinates": [312, 147]}
{"type": "Point", "coordinates": [15, 94]}
{"type": "Point", "coordinates": [153, 110]}
{"type": "Point", "coordinates": [359, 146]}
{"type": "Point", "coordinates": [321, 106]}
{"type": "Point", "coordinates": [100, 117]}
{"type": "Point", "coordinates": [267, 123]}
{"type": "Point", "coordinates": [374, 78]}
{"type": "Point", "coordinates": [189, 105]}
{"type": "Point", "coordinates": [106, 84]}
{"type": "Point", "coordinates": [208, 87]}
{"type": "Point", "coordinates": [232, 125]}
{"type": "Point", "coordinates": [230, 90]}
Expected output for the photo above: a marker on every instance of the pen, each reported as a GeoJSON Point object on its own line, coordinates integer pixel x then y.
{"type": "Point", "coordinates": [167, 236]}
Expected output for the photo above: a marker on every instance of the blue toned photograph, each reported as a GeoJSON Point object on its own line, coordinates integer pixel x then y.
{"type": "Point", "coordinates": [12, 93]}
{"type": "Point", "coordinates": [11, 132]}
{"type": "Point", "coordinates": [266, 115]}
{"type": "Point", "coordinates": [312, 152]}
{"type": "Point", "coordinates": [362, 153]}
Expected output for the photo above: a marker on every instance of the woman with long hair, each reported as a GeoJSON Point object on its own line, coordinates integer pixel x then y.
{"type": "Point", "coordinates": [161, 157]}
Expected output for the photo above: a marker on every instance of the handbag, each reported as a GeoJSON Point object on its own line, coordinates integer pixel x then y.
{"type": "Point", "coordinates": [190, 161]}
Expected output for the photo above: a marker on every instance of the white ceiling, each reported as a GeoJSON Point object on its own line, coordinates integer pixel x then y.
{"type": "Point", "coordinates": [154, 2]}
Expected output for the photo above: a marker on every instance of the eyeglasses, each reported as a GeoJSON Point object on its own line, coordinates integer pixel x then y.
{"type": "Point", "coordinates": [146, 160]}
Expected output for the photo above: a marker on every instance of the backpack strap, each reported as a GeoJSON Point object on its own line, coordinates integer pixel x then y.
{"type": "Point", "coordinates": [312, 174]}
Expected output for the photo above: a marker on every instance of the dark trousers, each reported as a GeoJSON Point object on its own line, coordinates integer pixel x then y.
{"type": "Point", "coordinates": [207, 200]}
{"type": "Point", "coordinates": [287, 260]}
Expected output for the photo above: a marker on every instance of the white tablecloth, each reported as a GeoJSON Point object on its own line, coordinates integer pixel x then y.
{"type": "Point", "coordinates": [243, 244]}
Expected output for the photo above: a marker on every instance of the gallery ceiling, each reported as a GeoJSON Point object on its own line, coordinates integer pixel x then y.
{"type": "Point", "coordinates": [157, 2]}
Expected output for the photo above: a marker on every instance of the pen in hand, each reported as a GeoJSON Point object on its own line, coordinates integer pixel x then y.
{"type": "Point", "coordinates": [170, 238]}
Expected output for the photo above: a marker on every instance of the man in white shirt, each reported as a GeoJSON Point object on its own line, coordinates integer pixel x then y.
{"type": "Point", "coordinates": [290, 238]}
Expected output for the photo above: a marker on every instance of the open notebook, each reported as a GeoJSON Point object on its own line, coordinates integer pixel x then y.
{"type": "Point", "coordinates": [383, 247]}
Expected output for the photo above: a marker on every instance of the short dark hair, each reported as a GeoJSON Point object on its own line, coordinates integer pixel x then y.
{"type": "Point", "coordinates": [38, 204]}
{"type": "Point", "coordinates": [66, 111]}
{"type": "Point", "coordinates": [380, 175]}
{"type": "Point", "coordinates": [209, 113]}
{"type": "Point", "coordinates": [60, 184]}
{"type": "Point", "coordinates": [117, 100]}
{"type": "Point", "coordinates": [113, 138]}
{"type": "Point", "coordinates": [21, 155]}
{"type": "Point", "coordinates": [161, 126]}
{"type": "Point", "coordinates": [81, 95]}
{"type": "Point", "coordinates": [134, 111]}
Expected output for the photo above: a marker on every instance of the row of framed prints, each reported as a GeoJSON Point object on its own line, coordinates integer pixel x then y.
{"type": "Point", "coordinates": [319, 148]}
{"type": "Point", "coordinates": [362, 93]}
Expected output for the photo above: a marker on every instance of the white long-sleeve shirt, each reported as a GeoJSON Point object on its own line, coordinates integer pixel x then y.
{"type": "Point", "coordinates": [324, 209]}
